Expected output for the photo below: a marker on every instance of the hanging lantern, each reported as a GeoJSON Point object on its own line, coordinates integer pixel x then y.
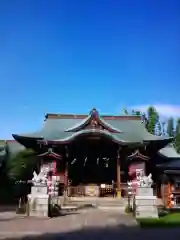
{"type": "Point", "coordinates": [85, 161]}
{"type": "Point", "coordinates": [73, 161]}
{"type": "Point", "coordinates": [107, 162]}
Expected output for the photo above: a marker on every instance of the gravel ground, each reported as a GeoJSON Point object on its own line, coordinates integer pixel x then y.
{"type": "Point", "coordinates": [85, 224]}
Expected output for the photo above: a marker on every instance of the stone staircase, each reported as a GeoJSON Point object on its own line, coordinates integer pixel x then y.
{"type": "Point", "coordinates": [95, 202]}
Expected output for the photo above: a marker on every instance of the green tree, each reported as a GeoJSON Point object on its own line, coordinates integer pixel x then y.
{"type": "Point", "coordinates": [158, 129]}
{"type": "Point", "coordinates": [177, 136]}
{"type": "Point", "coordinates": [3, 163]}
{"type": "Point", "coordinates": [22, 165]}
{"type": "Point", "coordinates": [125, 111]}
{"type": "Point", "coordinates": [170, 127]}
{"type": "Point", "coordinates": [163, 128]}
{"type": "Point", "coordinates": [136, 112]}
{"type": "Point", "coordinates": [5, 184]}
{"type": "Point", "coordinates": [152, 119]}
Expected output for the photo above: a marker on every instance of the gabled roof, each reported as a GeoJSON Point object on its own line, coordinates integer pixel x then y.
{"type": "Point", "coordinates": [94, 115]}
{"type": "Point", "coordinates": [138, 155]}
{"type": "Point", "coordinates": [60, 127]}
{"type": "Point", "coordinates": [173, 158]}
{"type": "Point", "coordinates": [169, 152]}
{"type": "Point", "coordinates": [50, 153]}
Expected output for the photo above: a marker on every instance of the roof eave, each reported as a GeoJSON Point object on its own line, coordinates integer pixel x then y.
{"type": "Point", "coordinates": [169, 152]}
{"type": "Point", "coordinates": [26, 141]}
{"type": "Point", "coordinates": [169, 157]}
{"type": "Point", "coordinates": [156, 139]}
{"type": "Point", "coordinates": [159, 143]}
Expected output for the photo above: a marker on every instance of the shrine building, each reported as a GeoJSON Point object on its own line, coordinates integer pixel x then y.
{"type": "Point", "coordinates": [96, 149]}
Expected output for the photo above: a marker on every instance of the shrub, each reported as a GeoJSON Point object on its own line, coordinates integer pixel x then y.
{"type": "Point", "coordinates": [128, 209]}
{"type": "Point", "coordinates": [54, 210]}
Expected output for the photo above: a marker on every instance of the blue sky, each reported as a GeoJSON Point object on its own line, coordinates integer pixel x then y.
{"type": "Point", "coordinates": [70, 56]}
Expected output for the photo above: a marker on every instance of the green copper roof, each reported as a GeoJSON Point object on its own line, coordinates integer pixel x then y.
{"type": "Point", "coordinates": [132, 130]}
{"type": "Point", "coordinates": [116, 137]}
{"type": "Point", "coordinates": [169, 151]}
{"type": "Point", "coordinates": [62, 129]}
{"type": "Point", "coordinates": [82, 123]}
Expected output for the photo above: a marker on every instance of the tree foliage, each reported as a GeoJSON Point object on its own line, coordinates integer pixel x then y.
{"type": "Point", "coordinates": [177, 137]}
{"type": "Point", "coordinates": [125, 111]}
{"type": "Point", "coordinates": [131, 112]}
{"type": "Point", "coordinates": [22, 165]}
{"type": "Point", "coordinates": [170, 127]}
{"type": "Point", "coordinates": [152, 119]}
{"type": "Point", "coordinates": [158, 129]}
{"type": "Point", "coordinates": [136, 112]}
{"type": "Point", "coordinates": [163, 128]}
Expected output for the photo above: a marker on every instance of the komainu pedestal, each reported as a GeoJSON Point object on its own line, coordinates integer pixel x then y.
{"type": "Point", "coordinates": [38, 202]}
{"type": "Point", "coordinates": [145, 203]}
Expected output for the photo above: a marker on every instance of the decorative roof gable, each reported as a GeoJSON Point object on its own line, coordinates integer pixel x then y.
{"type": "Point", "coordinates": [93, 121]}
{"type": "Point", "coordinates": [137, 155]}
{"type": "Point", "coordinates": [51, 154]}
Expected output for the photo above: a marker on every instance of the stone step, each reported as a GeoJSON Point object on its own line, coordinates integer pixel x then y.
{"type": "Point", "coordinates": [79, 204]}
{"type": "Point", "coordinates": [73, 203]}
{"type": "Point", "coordinates": [105, 199]}
{"type": "Point", "coordinates": [92, 199]}
{"type": "Point", "coordinates": [112, 205]}
{"type": "Point", "coordinates": [96, 202]}
{"type": "Point", "coordinates": [115, 208]}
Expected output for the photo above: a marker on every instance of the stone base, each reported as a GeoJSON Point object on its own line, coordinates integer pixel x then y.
{"type": "Point", "coordinates": [38, 205]}
{"type": "Point", "coordinates": [144, 191]}
{"type": "Point", "coordinates": [145, 207]}
{"type": "Point", "coordinates": [38, 190]}
{"type": "Point", "coordinates": [146, 212]}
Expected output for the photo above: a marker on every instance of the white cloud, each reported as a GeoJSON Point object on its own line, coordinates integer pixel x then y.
{"type": "Point", "coordinates": [165, 110]}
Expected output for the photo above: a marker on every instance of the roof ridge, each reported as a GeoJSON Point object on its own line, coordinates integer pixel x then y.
{"type": "Point", "coordinates": [82, 116]}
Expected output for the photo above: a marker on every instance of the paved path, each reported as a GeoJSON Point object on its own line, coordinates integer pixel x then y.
{"type": "Point", "coordinates": [84, 225]}
{"type": "Point", "coordinates": [10, 224]}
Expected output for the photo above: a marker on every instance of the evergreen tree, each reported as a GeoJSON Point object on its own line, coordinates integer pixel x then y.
{"type": "Point", "coordinates": [152, 119]}
{"type": "Point", "coordinates": [22, 165]}
{"type": "Point", "coordinates": [125, 111]}
{"type": "Point", "coordinates": [170, 127]}
{"type": "Point", "coordinates": [177, 137]}
{"type": "Point", "coordinates": [158, 129]}
{"type": "Point", "coordinates": [136, 112]}
{"type": "Point", "coordinates": [163, 128]}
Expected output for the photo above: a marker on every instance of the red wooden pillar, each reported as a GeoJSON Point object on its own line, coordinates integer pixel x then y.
{"type": "Point", "coordinates": [66, 173]}
{"type": "Point", "coordinates": [118, 172]}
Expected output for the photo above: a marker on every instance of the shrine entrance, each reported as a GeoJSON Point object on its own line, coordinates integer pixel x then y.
{"type": "Point", "coordinates": [92, 161]}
